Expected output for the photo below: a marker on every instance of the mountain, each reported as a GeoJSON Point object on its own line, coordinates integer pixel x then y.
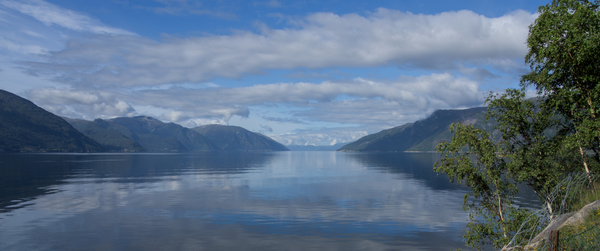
{"type": "Point", "coordinates": [142, 133]}
{"type": "Point", "coordinates": [25, 127]}
{"type": "Point", "coordinates": [235, 138]}
{"type": "Point", "coordinates": [309, 148]}
{"type": "Point", "coordinates": [107, 135]}
{"type": "Point", "coordinates": [156, 136]}
{"type": "Point", "coordinates": [422, 135]}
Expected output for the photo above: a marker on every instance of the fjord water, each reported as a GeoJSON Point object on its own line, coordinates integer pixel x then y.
{"type": "Point", "coordinates": [228, 201]}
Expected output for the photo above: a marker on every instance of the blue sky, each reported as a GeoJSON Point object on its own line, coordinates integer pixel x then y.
{"type": "Point", "coordinates": [301, 72]}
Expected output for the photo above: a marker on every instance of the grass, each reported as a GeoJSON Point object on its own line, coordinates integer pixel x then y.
{"type": "Point", "coordinates": [587, 196]}
{"type": "Point", "coordinates": [585, 236]}
{"type": "Point", "coordinates": [574, 193]}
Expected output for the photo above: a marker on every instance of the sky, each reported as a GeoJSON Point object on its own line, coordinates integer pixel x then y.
{"type": "Point", "coordinates": [301, 72]}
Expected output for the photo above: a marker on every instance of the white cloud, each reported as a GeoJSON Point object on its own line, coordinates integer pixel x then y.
{"type": "Point", "coordinates": [175, 116]}
{"type": "Point", "coordinates": [438, 42]}
{"type": "Point", "coordinates": [20, 48]}
{"type": "Point", "coordinates": [109, 72]}
{"type": "Point", "coordinates": [80, 104]}
{"type": "Point", "coordinates": [50, 14]}
{"type": "Point", "coordinates": [322, 136]}
{"type": "Point", "coordinates": [438, 89]}
{"type": "Point", "coordinates": [382, 103]}
{"type": "Point", "coordinates": [414, 95]}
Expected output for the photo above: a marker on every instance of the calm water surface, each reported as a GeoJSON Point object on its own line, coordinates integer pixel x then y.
{"type": "Point", "coordinates": [228, 201]}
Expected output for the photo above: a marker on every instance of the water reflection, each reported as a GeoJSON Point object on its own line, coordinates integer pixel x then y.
{"type": "Point", "coordinates": [26, 176]}
{"type": "Point", "coordinates": [417, 166]}
{"type": "Point", "coordinates": [272, 201]}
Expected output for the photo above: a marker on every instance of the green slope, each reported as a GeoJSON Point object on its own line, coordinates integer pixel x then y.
{"type": "Point", "coordinates": [156, 136]}
{"type": "Point", "coordinates": [235, 138]}
{"type": "Point", "coordinates": [107, 135]}
{"type": "Point", "coordinates": [422, 135]}
{"type": "Point", "coordinates": [25, 127]}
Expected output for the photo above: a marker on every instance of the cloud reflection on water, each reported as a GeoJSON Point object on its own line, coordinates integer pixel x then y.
{"type": "Point", "coordinates": [292, 200]}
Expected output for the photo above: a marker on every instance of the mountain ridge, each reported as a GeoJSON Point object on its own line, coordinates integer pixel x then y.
{"type": "Point", "coordinates": [235, 138]}
{"type": "Point", "coordinates": [422, 135]}
{"type": "Point", "coordinates": [26, 127]}
{"type": "Point", "coordinates": [108, 135]}
{"type": "Point", "coordinates": [147, 134]}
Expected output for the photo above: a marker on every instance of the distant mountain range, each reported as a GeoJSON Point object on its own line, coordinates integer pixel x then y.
{"type": "Point", "coordinates": [25, 127]}
{"type": "Point", "coordinates": [423, 135]}
{"type": "Point", "coordinates": [143, 133]}
{"type": "Point", "coordinates": [308, 148]}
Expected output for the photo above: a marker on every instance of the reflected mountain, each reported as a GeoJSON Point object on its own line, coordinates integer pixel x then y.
{"type": "Point", "coordinates": [27, 176]}
{"type": "Point", "coordinates": [228, 201]}
{"type": "Point", "coordinates": [416, 166]}
{"type": "Point", "coordinates": [419, 166]}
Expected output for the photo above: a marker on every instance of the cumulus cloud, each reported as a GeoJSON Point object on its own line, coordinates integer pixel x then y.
{"type": "Point", "coordinates": [50, 14]}
{"type": "Point", "coordinates": [81, 104]}
{"type": "Point", "coordinates": [382, 103]}
{"type": "Point", "coordinates": [387, 102]}
{"type": "Point", "coordinates": [175, 116]}
{"type": "Point", "coordinates": [109, 72]}
{"type": "Point", "coordinates": [440, 42]}
{"type": "Point", "coordinates": [441, 90]}
{"type": "Point", "coordinates": [322, 136]}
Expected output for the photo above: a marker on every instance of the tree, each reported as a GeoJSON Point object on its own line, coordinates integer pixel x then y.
{"type": "Point", "coordinates": [541, 140]}
{"type": "Point", "coordinates": [564, 57]}
{"type": "Point", "coordinates": [528, 150]}
{"type": "Point", "coordinates": [531, 142]}
{"type": "Point", "coordinates": [471, 158]}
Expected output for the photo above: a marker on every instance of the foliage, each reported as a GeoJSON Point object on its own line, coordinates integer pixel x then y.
{"type": "Point", "coordinates": [528, 152]}
{"type": "Point", "coordinates": [564, 51]}
{"type": "Point", "coordinates": [532, 139]}
{"type": "Point", "coordinates": [543, 140]}
{"type": "Point", "coordinates": [470, 158]}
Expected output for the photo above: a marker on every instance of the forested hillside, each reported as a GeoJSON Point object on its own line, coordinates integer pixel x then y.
{"type": "Point", "coordinates": [422, 135]}
{"type": "Point", "coordinates": [25, 127]}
